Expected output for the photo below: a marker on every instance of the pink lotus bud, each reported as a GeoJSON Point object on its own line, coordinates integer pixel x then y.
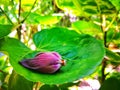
{"type": "Point", "coordinates": [46, 62]}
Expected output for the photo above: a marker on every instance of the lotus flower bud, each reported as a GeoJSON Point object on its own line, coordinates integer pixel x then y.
{"type": "Point", "coordinates": [46, 62]}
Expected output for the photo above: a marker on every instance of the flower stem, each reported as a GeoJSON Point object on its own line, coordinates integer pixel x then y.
{"type": "Point", "coordinates": [29, 11]}
{"type": "Point", "coordinates": [6, 16]}
{"type": "Point", "coordinates": [19, 28]}
{"type": "Point", "coordinates": [37, 86]}
{"type": "Point", "coordinates": [103, 17]}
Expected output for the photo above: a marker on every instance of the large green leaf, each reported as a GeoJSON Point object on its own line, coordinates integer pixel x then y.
{"type": "Point", "coordinates": [76, 49]}
{"type": "Point", "coordinates": [82, 53]}
{"type": "Point", "coordinates": [5, 30]}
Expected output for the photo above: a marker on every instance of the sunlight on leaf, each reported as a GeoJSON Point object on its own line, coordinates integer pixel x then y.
{"type": "Point", "coordinates": [39, 19]}
{"type": "Point", "coordinates": [86, 27]}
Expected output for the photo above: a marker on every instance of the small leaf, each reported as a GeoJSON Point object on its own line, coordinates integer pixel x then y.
{"type": "Point", "coordinates": [45, 20]}
{"type": "Point", "coordinates": [114, 56]}
{"type": "Point", "coordinates": [5, 30]}
{"type": "Point", "coordinates": [90, 11]}
{"type": "Point", "coordinates": [86, 27]}
{"type": "Point", "coordinates": [48, 19]}
{"type": "Point", "coordinates": [68, 6]}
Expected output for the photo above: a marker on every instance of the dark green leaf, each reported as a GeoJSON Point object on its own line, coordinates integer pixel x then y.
{"type": "Point", "coordinates": [111, 84]}
{"type": "Point", "coordinates": [106, 7]}
{"type": "Point", "coordinates": [116, 3]}
{"type": "Point", "coordinates": [90, 11]}
{"type": "Point", "coordinates": [67, 85]}
{"type": "Point", "coordinates": [49, 87]}
{"type": "Point", "coordinates": [112, 55]}
{"type": "Point", "coordinates": [2, 77]}
{"type": "Point", "coordinates": [17, 82]}
{"type": "Point", "coordinates": [5, 30]}
{"type": "Point", "coordinates": [115, 74]}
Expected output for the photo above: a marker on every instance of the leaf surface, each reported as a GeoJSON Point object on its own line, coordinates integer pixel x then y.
{"type": "Point", "coordinates": [5, 30]}
{"type": "Point", "coordinates": [82, 53]}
